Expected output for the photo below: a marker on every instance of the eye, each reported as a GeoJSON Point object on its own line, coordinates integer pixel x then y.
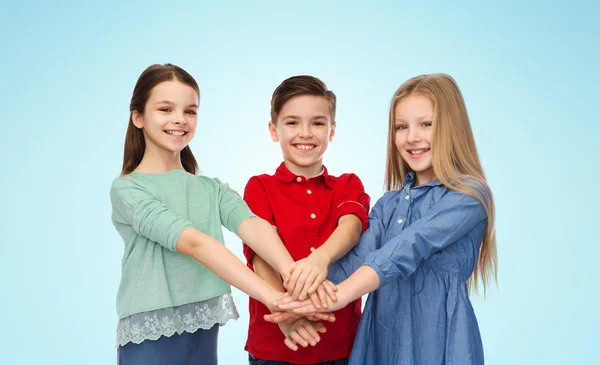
{"type": "Point", "coordinates": [191, 112]}
{"type": "Point", "coordinates": [165, 110]}
{"type": "Point", "coordinates": [401, 127]}
{"type": "Point", "coordinates": [427, 124]}
{"type": "Point", "coordinates": [319, 123]}
{"type": "Point", "coordinates": [291, 122]}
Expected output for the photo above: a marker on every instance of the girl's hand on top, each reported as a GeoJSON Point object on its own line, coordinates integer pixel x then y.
{"type": "Point", "coordinates": [325, 293]}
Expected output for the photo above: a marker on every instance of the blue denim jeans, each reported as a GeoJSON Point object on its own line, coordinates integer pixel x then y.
{"type": "Point", "coordinates": [198, 348]}
{"type": "Point", "coordinates": [256, 361]}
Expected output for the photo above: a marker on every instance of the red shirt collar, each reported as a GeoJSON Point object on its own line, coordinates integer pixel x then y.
{"type": "Point", "coordinates": [284, 174]}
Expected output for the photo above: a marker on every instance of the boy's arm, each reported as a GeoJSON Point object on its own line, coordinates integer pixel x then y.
{"type": "Point", "coordinates": [352, 210]}
{"type": "Point", "coordinates": [341, 241]}
{"type": "Point", "coordinates": [267, 273]}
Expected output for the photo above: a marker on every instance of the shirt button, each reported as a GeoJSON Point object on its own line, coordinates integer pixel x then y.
{"type": "Point", "coordinates": [407, 197]}
{"type": "Point", "coordinates": [299, 179]}
{"type": "Point", "coordinates": [308, 192]}
{"type": "Point", "coordinates": [313, 216]}
{"type": "Point", "coordinates": [400, 221]}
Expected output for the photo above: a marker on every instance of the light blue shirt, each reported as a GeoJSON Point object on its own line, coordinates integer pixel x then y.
{"type": "Point", "coordinates": [423, 242]}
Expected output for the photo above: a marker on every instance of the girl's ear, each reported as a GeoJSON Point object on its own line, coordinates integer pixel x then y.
{"type": "Point", "coordinates": [273, 132]}
{"type": "Point", "coordinates": [137, 119]}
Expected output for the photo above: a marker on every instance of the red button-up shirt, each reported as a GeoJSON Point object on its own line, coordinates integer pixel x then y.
{"type": "Point", "coordinates": [305, 213]}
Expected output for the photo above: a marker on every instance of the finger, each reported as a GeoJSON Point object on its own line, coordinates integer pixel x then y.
{"type": "Point", "coordinates": [279, 317]}
{"type": "Point", "coordinates": [320, 327]}
{"type": "Point", "coordinates": [322, 296]}
{"type": "Point", "coordinates": [294, 281]}
{"type": "Point", "coordinates": [300, 284]}
{"type": "Point", "coordinates": [316, 283]}
{"type": "Point", "coordinates": [310, 328]}
{"type": "Point", "coordinates": [329, 283]}
{"type": "Point", "coordinates": [271, 318]}
{"type": "Point", "coordinates": [314, 298]}
{"type": "Point", "coordinates": [306, 335]}
{"type": "Point", "coordinates": [321, 316]}
{"type": "Point", "coordinates": [306, 309]}
{"type": "Point", "coordinates": [284, 300]}
{"type": "Point", "coordinates": [284, 295]}
{"type": "Point", "coordinates": [290, 344]}
{"type": "Point", "coordinates": [310, 280]}
{"type": "Point", "coordinates": [296, 304]}
{"type": "Point", "coordinates": [330, 290]}
{"type": "Point", "coordinates": [329, 317]}
{"type": "Point", "coordinates": [298, 339]}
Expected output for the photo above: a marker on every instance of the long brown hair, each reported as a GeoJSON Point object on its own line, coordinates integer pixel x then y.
{"type": "Point", "coordinates": [454, 158]}
{"type": "Point", "coordinates": [135, 144]}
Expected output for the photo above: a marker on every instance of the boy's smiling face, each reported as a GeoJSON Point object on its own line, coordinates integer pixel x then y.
{"type": "Point", "coordinates": [303, 129]}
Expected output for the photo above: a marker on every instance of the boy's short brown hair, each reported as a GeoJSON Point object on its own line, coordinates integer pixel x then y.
{"type": "Point", "coordinates": [300, 85]}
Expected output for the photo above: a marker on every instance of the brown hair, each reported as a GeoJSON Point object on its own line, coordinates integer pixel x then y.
{"type": "Point", "coordinates": [300, 85]}
{"type": "Point", "coordinates": [135, 144]}
{"type": "Point", "coordinates": [454, 157]}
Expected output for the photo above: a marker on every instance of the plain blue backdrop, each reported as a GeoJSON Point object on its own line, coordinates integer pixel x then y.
{"type": "Point", "coordinates": [528, 71]}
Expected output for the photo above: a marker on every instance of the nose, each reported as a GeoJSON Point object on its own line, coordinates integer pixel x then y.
{"type": "Point", "coordinates": [306, 131]}
{"type": "Point", "coordinates": [180, 119]}
{"type": "Point", "coordinates": [414, 135]}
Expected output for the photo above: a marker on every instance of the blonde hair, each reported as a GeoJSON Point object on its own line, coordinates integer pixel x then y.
{"type": "Point", "coordinates": [454, 158]}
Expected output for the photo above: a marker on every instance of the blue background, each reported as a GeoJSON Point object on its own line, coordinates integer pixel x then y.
{"type": "Point", "coordinates": [528, 71]}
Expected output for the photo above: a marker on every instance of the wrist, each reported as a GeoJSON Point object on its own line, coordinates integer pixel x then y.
{"type": "Point", "coordinates": [268, 297]}
{"type": "Point", "coordinates": [322, 256]}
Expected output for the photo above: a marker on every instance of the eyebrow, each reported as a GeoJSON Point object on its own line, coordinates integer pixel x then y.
{"type": "Point", "coordinates": [418, 119]}
{"type": "Point", "coordinates": [297, 117]}
{"type": "Point", "coordinates": [171, 103]}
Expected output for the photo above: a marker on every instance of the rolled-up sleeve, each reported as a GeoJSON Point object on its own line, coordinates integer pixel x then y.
{"type": "Point", "coordinates": [135, 206]}
{"type": "Point", "coordinates": [232, 208]}
{"type": "Point", "coordinates": [354, 200]}
{"type": "Point", "coordinates": [454, 216]}
{"type": "Point", "coordinates": [369, 241]}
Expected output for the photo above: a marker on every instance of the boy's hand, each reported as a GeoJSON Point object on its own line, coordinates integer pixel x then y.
{"type": "Point", "coordinates": [307, 274]}
{"type": "Point", "coordinates": [301, 331]}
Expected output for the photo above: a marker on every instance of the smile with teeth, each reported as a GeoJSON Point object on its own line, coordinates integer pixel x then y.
{"type": "Point", "coordinates": [418, 152]}
{"type": "Point", "coordinates": [304, 147]}
{"type": "Point", "coordinates": [176, 133]}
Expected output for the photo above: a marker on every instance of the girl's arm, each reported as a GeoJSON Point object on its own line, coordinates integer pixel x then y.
{"type": "Point", "coordinates": [135, 206]}
{"type": "Point", "coordinates": [256, 233]}
{"type": "Point", "coordinates": [453, 217]}
{"type": "Point", "coordinates": [369, 241]}
{"type": "Point", "coordinates": [223, 263]}
{"type": "Point", "coordinates": [361, 282]}
{"type": "Point", "coordinates": [260, 236]}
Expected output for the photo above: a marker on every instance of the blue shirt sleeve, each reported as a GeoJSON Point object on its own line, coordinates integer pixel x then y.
{"type": "Point", "coordinates": [451, 218]}
{"type": "Point", "coordinates": [369, 241]}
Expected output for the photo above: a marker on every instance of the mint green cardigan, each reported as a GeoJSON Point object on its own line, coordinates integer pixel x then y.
{"type": "Point", "coordinates": [150, 211]}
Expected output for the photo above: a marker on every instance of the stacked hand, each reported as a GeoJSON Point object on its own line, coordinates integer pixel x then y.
{"type": "Point", "coordinates": [304, 282]}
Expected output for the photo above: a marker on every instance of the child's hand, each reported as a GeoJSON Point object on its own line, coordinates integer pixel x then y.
{"type": "Point", "coordinates": [307, 274]}
{"type": "Point", "coordinates": [287, 303]}
{"type": "Point", "coordinates": [278, 317]}
{"type": "Point", "coordinates": [324, 291]}
{"type": "Point", "coordinates": [301, 331]}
